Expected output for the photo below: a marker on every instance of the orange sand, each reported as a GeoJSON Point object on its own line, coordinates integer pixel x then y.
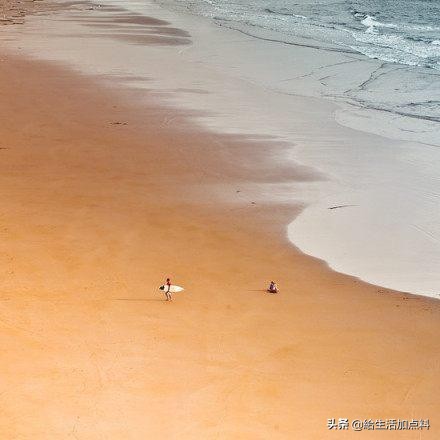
{"type": "Point", "coordinates": [101, 201]}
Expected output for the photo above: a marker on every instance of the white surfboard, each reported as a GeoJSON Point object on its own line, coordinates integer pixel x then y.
{"type": "Point", "coordinates": [173, 288]}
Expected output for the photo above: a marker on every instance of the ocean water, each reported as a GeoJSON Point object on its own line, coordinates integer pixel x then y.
{"type": "Point", "coordinates": [401, 31]}
{"type": "Point", "coordinates": [404, 34]}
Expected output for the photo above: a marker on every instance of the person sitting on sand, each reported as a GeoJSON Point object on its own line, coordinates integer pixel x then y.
{"type": "Point", "coordinates": [273, 288]}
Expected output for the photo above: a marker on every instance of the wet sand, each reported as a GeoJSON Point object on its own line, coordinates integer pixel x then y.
{"type": "Point", "coordinates": [101, 200]}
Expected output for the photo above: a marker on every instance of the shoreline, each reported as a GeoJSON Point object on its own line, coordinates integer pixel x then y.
{"type": "Point", "coordinates": [372, 155]}
{"type": "Point", "coordinates": [224, 80]}
{"type": "Point", "coordinates": [354, 108]}
{"type": "Point", "coordinates": [92, 224]}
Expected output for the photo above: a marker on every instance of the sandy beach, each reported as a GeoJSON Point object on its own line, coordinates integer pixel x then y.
{"type": "Point", "coordinates": [103, 197]}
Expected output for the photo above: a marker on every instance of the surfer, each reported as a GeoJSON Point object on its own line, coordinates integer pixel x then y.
{"type": "Point", "coordinates": [167, 290]}
{"type": "Point", "coordinates": [273, 288]}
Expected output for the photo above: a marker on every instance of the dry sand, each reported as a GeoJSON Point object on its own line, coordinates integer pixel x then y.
{"type": "Point", "coordinates": [98, 207]}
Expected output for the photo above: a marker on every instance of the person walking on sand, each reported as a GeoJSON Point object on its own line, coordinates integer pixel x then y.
{"type": "Point", "coordinates": [167, 290]}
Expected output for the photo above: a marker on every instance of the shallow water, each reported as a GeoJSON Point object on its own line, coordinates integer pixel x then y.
{"type": "Point", "coordinates": [403, 34]}
{"type": "Point", "coordinates": [404, 31]}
